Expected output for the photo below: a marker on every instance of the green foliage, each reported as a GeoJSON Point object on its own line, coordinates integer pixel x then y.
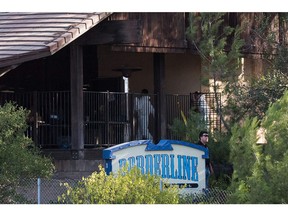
{"type": "Point", "coordinates": [218, 143]}
{"type": "Point", "coordinates": [242, 144]}
{"type": "Point", "coordinates": [243, 157]}
{"type": "Point", "coordinates": [18, 158]}
{"type": "Point", "coordinates": [256, 169]}
{"type": "Point", "coordinates": [124, 187]}
{"type": "Point", "coordinates": [219, 147]}
{"type": "Point", "coordinates": [221, 62]}
{"type": "Point", "coordinates": [253, 100]}
{"type": "Point", "coordinates": [276, 125]}
{"type": "Point", "coordinates": [262, 176]}
{"type": "Point", "coordinates": [189, 129]}
{"type": "Point", "coordinates": [274, 41]}
{"type": "Point", "coordinates": [219, 46]}
{"type": "Point", "coordinates": [276, 151]}
{"type": "Point", "coordinates": [210, 36]}
{"type": "Point", "coordinates": [219, 154]}
{"type": "Point", "coordinates": [189, 132]}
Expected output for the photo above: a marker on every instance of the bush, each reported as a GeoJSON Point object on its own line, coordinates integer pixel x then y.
{"type": "Point", "coordinates": [188, 128]}
{"type": "Point", "coordinates": [124, 187]}
{"type": "Point", "coordinates": [18, 156]}
{"type": "Point", "coordinates": [261, 171]}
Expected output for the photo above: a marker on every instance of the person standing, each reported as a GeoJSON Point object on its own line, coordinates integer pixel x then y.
{"type": "Point", "coordinates": [144, 108]}
{"type": "Point", "coordinates": [198, 101]}
{"type": "Point", "coordinates": [203, 140]}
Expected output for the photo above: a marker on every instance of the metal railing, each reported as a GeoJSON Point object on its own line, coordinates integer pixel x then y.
{"type": "Point", "coordinates": [203, 103]}
{"type": "Point", "coordinates": [109, 117]}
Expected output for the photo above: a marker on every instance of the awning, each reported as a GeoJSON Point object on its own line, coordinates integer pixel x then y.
{"type": "Point", "coordinates": [29, 36]}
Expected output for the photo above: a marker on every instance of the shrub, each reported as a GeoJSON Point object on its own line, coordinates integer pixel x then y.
{"type": "Point", "coordinates": [124, 187]}
{"type": "Point", "coordinates": [188, 129]}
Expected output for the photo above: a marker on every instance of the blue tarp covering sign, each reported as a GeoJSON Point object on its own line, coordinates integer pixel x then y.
{"type": "Point", "coordinates": [179, 162]}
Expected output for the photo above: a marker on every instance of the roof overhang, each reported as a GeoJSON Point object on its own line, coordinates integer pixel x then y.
{"type": "Point", "coordinates": [28, 36]}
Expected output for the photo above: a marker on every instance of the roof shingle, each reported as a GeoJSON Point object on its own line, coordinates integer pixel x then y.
{"type": "Point", "coordinates": [28, 36]}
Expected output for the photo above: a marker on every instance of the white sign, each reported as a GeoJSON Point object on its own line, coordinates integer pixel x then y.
{"type": "Point", "coordinates": [179, 162]}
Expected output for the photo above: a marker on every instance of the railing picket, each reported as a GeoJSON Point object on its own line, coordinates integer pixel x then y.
{"type": "Point", "coordinates": [109, 117]}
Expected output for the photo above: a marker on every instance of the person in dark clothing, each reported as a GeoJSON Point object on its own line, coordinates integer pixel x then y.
{"type": "Point", "coordinates": [203, 140]}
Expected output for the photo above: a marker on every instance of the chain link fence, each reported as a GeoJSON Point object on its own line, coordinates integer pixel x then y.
{"type": "Point", "coordinates": [46, 191]}
{"type": "Point", "coordinates": [43, 191]}
{"type": "Point", "coordinates": [209, 196]}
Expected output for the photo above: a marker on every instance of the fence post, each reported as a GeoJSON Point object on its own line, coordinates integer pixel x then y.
{"type": "Point", "coordinates": [39, 191]}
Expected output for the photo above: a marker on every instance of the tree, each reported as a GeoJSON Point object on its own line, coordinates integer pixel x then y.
{"type": "Point", "coordinates": [188, 129]}
{"type": "Point", "coordinates": [271, 36]}
{"type": "Point", "coordinates": [19, 158]}
{"type": "Point", "coordinates": [246, 98]}
{"type": "Point", "coordinates": [267, 36]}
{"type": "Point", "coordinates": [220, 47]}
{"type": "Point", "coordinates": [260, 172]}
{"type": "Point", "coordinates": [220, 59]}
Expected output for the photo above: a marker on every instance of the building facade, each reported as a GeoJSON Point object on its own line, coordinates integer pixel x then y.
{"type": "Point", "coordinates": [71, 63]}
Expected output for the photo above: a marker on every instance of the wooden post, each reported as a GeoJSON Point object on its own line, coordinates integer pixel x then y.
{"type": "Point", "coordinates": [159, 89]}
{"type": "Point", "coordinates": [76, 85]}
{"type": "Point", "coordinates": [35, 119]}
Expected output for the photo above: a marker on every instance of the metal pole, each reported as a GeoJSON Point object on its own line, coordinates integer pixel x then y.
{"type": "Point", "coordinates": [39, 194]}
{"type": "Point", "coordinates": [126, 91]}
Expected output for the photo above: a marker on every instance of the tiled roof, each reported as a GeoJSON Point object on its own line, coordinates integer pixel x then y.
{"type": "Point", "coordinates": [28, 36]}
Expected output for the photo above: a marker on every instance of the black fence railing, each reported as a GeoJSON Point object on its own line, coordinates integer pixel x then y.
{"type": "Point", "coordinates": [109, 117]}
{"type": "Point", "coordinates": [115, 117]}
{"type": "Point", "coordinates": [203, 103]}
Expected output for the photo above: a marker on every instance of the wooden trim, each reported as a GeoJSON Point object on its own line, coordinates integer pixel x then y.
{"type": "Point", "coordinates": [130, 48]}
{"type": "Point", "coordinates": [77, 122]}
{"type": "Point", "coordinates": [114, 32]}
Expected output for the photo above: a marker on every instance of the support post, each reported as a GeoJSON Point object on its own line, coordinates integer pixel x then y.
{"type": "Point", "coordinates": [159, 90]}
{"type": "Point", "coordinates": [76, 85]}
